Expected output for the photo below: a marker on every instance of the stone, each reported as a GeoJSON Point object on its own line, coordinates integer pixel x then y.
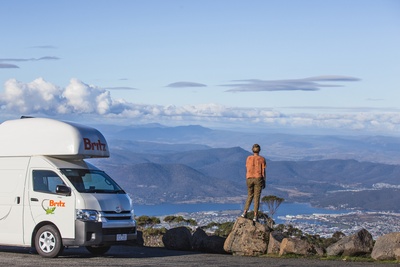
{"type": "Point", "coordinates": [275, 240]}
{"type": "Point", "coordinates": [387, 247]}
{"type": "Point", "coordinates": [358, 244]}
{"type": "Point", "coordinates": [205, 243]}
{"type": "Point", "coordinates": [296, 246]}
{"type": "Point", "coordinates": [153, 241]}
{"type": "Point", "coordinates": [247, 238]}
{"type": "Point", "coordinates": [178, 239]}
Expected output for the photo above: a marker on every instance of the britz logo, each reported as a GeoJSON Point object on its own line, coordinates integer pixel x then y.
{"type": "Point", "coordinates": [89, 145]}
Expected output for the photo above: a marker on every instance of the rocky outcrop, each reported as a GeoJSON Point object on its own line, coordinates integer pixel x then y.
{"type": "Point", "coordinates": [247, 238]}
{"type": "Point", "coordinates": [387, 247]}
{"type": "Point", "coordinates": [298, 247]}
{"type": "Point", "coordinates": [153, 240]}
{"type": "Point", "coordinates": [178, 239]}
{"type": "Point", "coordinates": [360, 243]}
{"type": "Point", "coordinates": [205, 243]}
{"type": "Point", "coordinates": [275, 240]}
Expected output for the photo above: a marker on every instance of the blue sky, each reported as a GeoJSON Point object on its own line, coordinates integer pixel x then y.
{"type": "Point", "coordinates": [299, 65]}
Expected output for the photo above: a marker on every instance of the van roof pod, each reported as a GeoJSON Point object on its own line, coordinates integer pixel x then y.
{"type": "Point", "coordinates": [49, 137]}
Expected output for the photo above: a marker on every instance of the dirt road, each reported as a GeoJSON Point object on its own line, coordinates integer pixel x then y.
{"type": "Point", "coordinates": [143, 256]}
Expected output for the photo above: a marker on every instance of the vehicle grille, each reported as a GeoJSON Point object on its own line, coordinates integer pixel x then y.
{"type": "Point", "coordinates": [115, 231]}
{"type": "Point", "coordinates": [114, 216]}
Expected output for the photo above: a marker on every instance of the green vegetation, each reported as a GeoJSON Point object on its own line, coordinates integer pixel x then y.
{"type": "Point", "coordinates": [146, 221]}
{"type": "Point", "coordinates": [179, 219]}
{"type": "Point", "coordinates": [273, 203]}
{"type": "Point", "coordinates": [222, 229]}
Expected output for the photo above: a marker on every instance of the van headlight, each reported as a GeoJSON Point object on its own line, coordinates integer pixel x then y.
{"type": "Point", "coordinates": [87, 215]}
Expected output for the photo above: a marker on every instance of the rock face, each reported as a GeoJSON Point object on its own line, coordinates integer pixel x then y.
{"type": "Point", "coordinates": [204, 243]}
{"type": "Point", "coordinates": [275, 240]}
{"type": "Point", "coordinates": [297, 246]}
{"type": "Point", "coordinates": [153, 241]}
{"type": "Point", "coordinates": [360, 243]}
{"type": "Point", "coordinates": [247, 238]}
{"type": "Point", "coordinates": [178, 239]}
{"type": "Point", "coordinates": [387, 247]}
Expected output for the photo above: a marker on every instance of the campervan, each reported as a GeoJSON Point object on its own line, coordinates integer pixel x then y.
{"type": "Point", "coordinates": [51, 197]}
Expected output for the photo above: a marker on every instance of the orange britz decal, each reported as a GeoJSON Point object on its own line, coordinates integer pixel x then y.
{"type": "Point", "coordinates": [53, 203]}
{"type": "Point", "coordinates": [50, 205]}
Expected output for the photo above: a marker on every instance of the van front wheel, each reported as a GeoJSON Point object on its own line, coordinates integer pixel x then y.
{"type": "Point", "coordinates": [48, 242]}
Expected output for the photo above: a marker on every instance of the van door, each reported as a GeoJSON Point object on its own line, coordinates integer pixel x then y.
{"type": "Point", "coordinates": [11, 206]}
{"type": "Point", "coordinates": [47, 205]}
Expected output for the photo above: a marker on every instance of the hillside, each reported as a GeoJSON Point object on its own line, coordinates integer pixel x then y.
{"type": "Point", "coordinates": [216, 174]}
{"type": "Point", "coordinates": [277, 146]}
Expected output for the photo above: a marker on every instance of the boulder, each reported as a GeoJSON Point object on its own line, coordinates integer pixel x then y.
{"type": "Point", "coordinates": [205, 243]}
{"type": "Point", "coordinates": [247, 238]}
{"type": "Point", "coordinates": [297, 246]}
{"type": "Point", "coordinates": [178, 239]}
{"type": "Point", "coordinates": [387, 247]}
{"type": "Point", "coordinates": [275, 240]}
{"type": "Point", "coordinates": [153, 240]}
{"type": "Point", "coordinates": [360, 243]}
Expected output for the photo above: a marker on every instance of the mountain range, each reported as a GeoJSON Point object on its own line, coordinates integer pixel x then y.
{"type": "Point", "coordinates": [189, 164]}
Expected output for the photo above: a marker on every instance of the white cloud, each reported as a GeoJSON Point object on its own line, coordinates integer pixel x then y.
{"type": "Point", "coordinates": [78, 99]}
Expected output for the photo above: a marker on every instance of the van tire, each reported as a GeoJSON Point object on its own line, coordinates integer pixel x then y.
{"type": "Point", "coordinates": [98, 250]}
{"type": "Point", "coordinates": [48, 242]}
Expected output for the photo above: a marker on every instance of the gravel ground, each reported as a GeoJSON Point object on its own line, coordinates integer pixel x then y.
{"type": "Point", "coordinates": [144, 256]}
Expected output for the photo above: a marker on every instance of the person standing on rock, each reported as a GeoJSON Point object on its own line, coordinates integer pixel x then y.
{"type": "Point", "coordinates": [255, 180]}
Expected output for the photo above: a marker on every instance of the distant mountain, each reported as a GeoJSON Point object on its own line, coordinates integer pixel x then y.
{"type": "Point", "coordinates": [276, 146]}
{"type": "Point", "coordinates": [213, 174]}
{"type": "Point", "coordinates": [373, 200]}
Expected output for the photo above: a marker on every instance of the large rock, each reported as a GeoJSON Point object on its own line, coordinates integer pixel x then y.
{"type": "Point", "coordinates": [360, 243]}
{"type": "Point", "coordinates": [387, 247]}
{"type": "Point", "coordinates": [205, 243]}
{"type": "Point", "coordinates": [297, 246]}
{"type": "Point", "coordinates": [153, 240]}
{"type": "Point", "coordinates": [247, 238]}
{"type": "Point", "coordinates": [178, 239]}
{"type": "Point", "coordinates": [275, 240]}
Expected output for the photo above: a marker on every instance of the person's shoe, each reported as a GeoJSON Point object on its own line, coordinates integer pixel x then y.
{"type": "Point", "coordinates": [244, 215]}
{"type": "Point", "coordinates": [255, 219]}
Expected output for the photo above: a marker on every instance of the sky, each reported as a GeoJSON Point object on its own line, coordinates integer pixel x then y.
{"type": "Point", "coordinates": [312, 66]}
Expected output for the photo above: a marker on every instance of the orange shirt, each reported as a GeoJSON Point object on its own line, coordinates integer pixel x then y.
{"type": "Point", "coordinates": [255, 166]}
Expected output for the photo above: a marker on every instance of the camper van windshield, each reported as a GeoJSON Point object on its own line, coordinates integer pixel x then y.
{"type": "Point", "coordinates": [92, 181]}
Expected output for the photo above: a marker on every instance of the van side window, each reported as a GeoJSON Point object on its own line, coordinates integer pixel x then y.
{"type": "Point", "coordinates": [46, 181]}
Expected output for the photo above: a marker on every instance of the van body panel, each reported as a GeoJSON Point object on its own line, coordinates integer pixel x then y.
{"type": "Point", "coordinates": [12, 179]}
{"type": "Point", "coordinates": [39, 156]}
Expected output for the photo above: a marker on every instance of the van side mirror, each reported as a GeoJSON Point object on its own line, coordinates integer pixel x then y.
{"type": "Point", "coordinates": [63, 190]}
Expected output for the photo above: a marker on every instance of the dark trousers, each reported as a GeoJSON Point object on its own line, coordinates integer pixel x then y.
{"type": "Point", "coordinates": [254, 187]}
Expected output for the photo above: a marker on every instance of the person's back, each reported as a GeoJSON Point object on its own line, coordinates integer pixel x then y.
{"type": "Point", "coordinates": [255, 179]}
{"type": "Point", "coordinates": [255, 165]}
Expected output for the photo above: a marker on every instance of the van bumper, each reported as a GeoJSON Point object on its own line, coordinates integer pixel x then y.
{"type": "Point", "coordinates": [93, 233]}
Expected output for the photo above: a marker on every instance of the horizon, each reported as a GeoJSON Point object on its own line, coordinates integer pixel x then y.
{"type": "Point", "coordinates": [315, 67]}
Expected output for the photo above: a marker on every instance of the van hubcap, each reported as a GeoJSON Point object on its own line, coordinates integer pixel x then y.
{"type": "Point", "coordinates": [47, 241]}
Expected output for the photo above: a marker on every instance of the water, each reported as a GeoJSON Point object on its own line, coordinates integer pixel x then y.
{"type": "Point", "coordinates": [283, 210]}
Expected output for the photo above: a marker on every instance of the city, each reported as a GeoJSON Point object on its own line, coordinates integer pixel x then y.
{"type": "Point", "coordinates": [324, 225]}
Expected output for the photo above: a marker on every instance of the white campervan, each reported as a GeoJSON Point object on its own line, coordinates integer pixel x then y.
{"type": "Point", "coordinates": [50, 197]}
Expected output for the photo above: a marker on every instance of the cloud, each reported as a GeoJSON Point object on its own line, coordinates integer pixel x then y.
{"type": "Point", "coordinates": [28, 59]}
{"type": "Point", "coordinates": [8, 66]}
{"type": "Point", "coordinates": [40, 96]}
{"type": "Point", "coordinates": [185, 84]}
{"type": "Point", "coordinates": [120, 88]}
{"type": "Point", "coordinates": [44, 47]}
{"type": "Point", "coordinates": [79, 100]}
{"type": "Point", "coordinates": [306, 84]}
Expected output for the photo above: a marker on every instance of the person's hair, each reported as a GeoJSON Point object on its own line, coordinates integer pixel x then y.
{"type": "Point", "coordinates": [256, 148]}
